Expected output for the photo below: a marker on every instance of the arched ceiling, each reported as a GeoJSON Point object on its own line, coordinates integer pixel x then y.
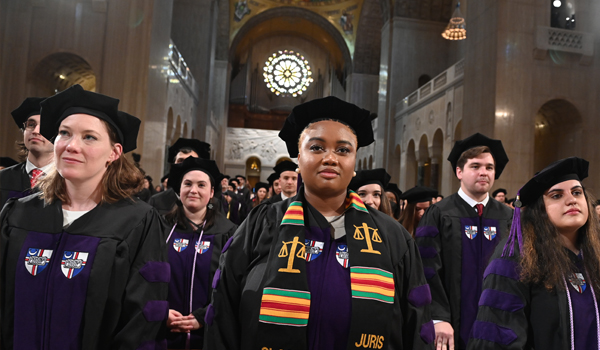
{"type": "Point", "coordinates": [61, 70]}
{"type": "Point", "coordinates": [292, 22]}
{"type": "Point", "coordinates": [558, 112]}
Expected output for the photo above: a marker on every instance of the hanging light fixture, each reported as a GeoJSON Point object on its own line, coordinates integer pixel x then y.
{"type": "Point", "coordinates": [456, 28]}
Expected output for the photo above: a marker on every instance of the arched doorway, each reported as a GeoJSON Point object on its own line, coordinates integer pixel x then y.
{"type": "Point", "coordinates": [58, 71]}
{"type": "Point", "coordinates": [411, 165]}
{"type": "Point", "coordinates": [253, 170]}
{"type": "Point", "coordinates": [558, 133]}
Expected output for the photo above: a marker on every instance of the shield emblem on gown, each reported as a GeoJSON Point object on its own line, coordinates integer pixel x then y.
{"type": "Point", "coordinates": [578, 282]}
{"type": "Point", "coordinates": [489, 232]}
{"type": "Point", "coordinates": [342, 255]}
{"type": "Point", "coordinates": [313, 249]}
{"type": "Point", "coordinates": [202, 247]}
{"type": "Point", "coordinates": [471, 232]}
{"type": "Point", "coordinates": [179, 244]}
{"type": "Point", "coordinates": [37, 260]}
{"type": "Point", "coordinates": [73, 263]}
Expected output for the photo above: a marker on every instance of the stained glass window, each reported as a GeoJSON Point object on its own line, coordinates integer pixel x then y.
{"type": "Point", "coordinates": [287, 73]}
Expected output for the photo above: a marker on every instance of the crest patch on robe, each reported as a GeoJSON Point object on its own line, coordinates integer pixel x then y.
{"type": "Point", "coordinates": [342, 255]}
{"type": "Point", "coordinates": [73, 263]}
{"type": "Point", "coordinates": [471, 232]}
{"type": "Point", "coordinates": [489, 232]}
{"type": "Point", "coordinates": [313, 249]}
{"type": "Point", "coordinates": [179, 244]}
{"type": "Point", "coordinates": [578, 282]}
{"type": "Point", "coordinates": [202, 246]}
{"type": "Point", "coordinates": [37, 260]}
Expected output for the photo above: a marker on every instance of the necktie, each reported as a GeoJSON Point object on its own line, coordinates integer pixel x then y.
{"type": "Point", "coordinates": [479, 209]}
{"type": "Point", "coordinates": [35, 174]}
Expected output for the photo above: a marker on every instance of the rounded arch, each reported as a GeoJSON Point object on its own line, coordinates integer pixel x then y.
{"type": "Point", "coordinates": [371, 162]}
{"type": "Point", "coordinates": [177, 133]}
{"type": "Point", "coordinates": [170, 123]}
{"type": "Point", "coordinates": [457, 136]}
{"type": "Point", "coordinates": [437, 155]}
{"type": "Point", "coordinates": [274, 20]}
{"type": "Point", "coordinates": [411, 165]}
{"type": "Point", "coordinates": [394, 170]}
{"type": "Point", "coordinates": [58, 71]}
{"type": "Point", "coordinates": [253, 170]}
{"type": "Point", "coordinates": [558, 132]}
{"type": "Point", "coordinates": [359, 164]}
{"type": "Point", "coordinates": [423, 162]}
{"type": "Point", "coordinates": [185, 130]}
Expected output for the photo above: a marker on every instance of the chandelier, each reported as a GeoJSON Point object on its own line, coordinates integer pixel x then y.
{"type": "Point", "coordinates": [456, 28]}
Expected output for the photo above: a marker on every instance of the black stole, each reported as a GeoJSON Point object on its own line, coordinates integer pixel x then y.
{"type": "Point", "coordinates": [285, 301]}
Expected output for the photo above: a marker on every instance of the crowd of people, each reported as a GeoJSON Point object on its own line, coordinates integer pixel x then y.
{"type": "Point", "coordinates": [93, 255]}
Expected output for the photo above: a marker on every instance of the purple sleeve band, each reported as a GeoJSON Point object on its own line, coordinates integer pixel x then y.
{"type": "Point", "coordinates": [428, 252]}
{"type": "Point", "coordinates": [153, 345]}
{"type": "Point", "coordinates": [494, 333]}
{"type": "Point", "coordinates": [429, 272]}
{"type": "Point", "coordinates": [216, 279]}
{"type": "Point", "coordinates": [503, 267]}
{"type": "Point", "coordinates": [156, 310]}
{"type": "Point", "coordinates": [501, 300]}
{"type": "Point", "coordinates": [427, 231]}
{"type": "Point", "coordinates": [156, 271]}
{"type": "Point", "coordinates": [210, 315]}
{"type": "Point", "coordinates": [420, 296]}
{"type": "Point", "coordinates": [227, 244]}
{"type": "Point", "coordinates": [427, 332]}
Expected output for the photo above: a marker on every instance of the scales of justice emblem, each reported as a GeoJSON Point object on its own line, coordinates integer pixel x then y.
{"type": "Point", "coordinates": [296, 249]}
{"type": "Point", "coordinates": [365, 235]}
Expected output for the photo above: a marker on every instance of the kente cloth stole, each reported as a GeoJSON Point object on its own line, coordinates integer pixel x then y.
{"type": "Point", "coordinates": [285, 303]}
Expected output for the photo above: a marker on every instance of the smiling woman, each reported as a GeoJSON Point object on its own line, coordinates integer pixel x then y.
{"type": "Point", "coordinates": [102, 249]}
{"type": "Point", "coordinates": [299, 273]}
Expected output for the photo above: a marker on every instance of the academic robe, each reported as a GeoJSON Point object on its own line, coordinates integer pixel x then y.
{"type": "Point", "coordinates": [238, 317]}
{"type": "Point", "coordinates": [164, 201]}
{"type": "Point", "coordinates": [100, 283]}
{"type": "Point", "coordinates": [14, 183]}
{"type": "Point", "coordinates": [192, 283]}
{"type": "Point", "coordinates": [276, 198]}
{"type": "Point", "coordinates": [517, 315]}
{"type": "Point", "coordinates": [456, 245]}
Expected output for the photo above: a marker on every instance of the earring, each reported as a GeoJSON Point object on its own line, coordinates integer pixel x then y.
{"type": "Point", "coordinates": [354, 174]}
{"type": "Point", "coordinates": [209, 206]}
{"type": "Point", "coordinates": [298, 170]}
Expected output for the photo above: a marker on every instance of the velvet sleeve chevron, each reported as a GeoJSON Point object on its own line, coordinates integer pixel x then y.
{"type": "Point", "coordinates": [502, 317]}
{"type": "Point", "coordinates": [429, 241]}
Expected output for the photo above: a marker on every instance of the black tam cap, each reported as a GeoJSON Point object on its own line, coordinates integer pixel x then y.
{"type": "Point", "coordinates": [271, 179]}
{"type": "Point", "coordinates": [7, 161]}
{"type": "Point", "coordinates": [328, 108]}
{"type": "Point", "coordinates": [286, 165]}
{"type": "Point", "coordinates": [572, 168]}
{"type": "Point", "coordinates": [31, 106]}
{"type": "Point", "coordinates": [207, 166]}
{"type": "Point", "coordinates": [419, 194]}
{"type": "Point", "coordinates": [476, 140]}
{"type": "Point", "coordinates": [366, 177]}
{"type": "Point", "coordinates": [75, 100]}
{"type": "Point", "coordinates": [392, 187]}
{"type": "Point", "coordinates": [200, 147]}
{"type": "Point", "coordinates": [500, 190]}
{"type": "Point", "coordinates": [260, 185]}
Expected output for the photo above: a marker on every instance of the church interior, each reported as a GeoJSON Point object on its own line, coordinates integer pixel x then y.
{"type": "Point", "coordinates": [228, 72]}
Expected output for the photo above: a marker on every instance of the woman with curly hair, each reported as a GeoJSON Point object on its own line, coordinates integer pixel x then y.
{"type": "Point", "coordinates": [540, 291]}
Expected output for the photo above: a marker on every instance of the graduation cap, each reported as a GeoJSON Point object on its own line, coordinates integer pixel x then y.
{"type": "Point", "coordinates": [260, 185]}
{"type": "Point", "coordinates": [572, 168]}
{"type": "Point", "coordinates": [166, 176]}
{"type": "Point", "coordinates": [500, 190]}
{"type": "Point", "coordinates": [366, 177]}
{"type": "Point", "coordinates": [242, 176]}
{"type": "Point", "coordinates": [286, 165]}
{"type": "Point", "coordinates": [392, 187]}
{"type": "Point", "coordinates": [419, 194]}
{"type": "Point", "coordinates": [271, 179]}
{"type": "Point", "coordinates": [328, 108]}
{"type": "Point", "coordinates": [207, 166]}
{"type": "Point", "coordinates": [200, 147]}
{"type": "Point", "coordinates": [477, 140]}
{"type": "Point", "coordinates": [7, 162]}
{"type": "Point", "coordinates": [31, 106]}
{"type": "Point", "coordinates": [76, 100]}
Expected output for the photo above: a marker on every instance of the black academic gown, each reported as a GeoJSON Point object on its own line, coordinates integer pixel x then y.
{"type": "Point", "coordinates": [180, 247]}
{"type": "Point", "coordinates": [164, 201]}
{"type": "Point", "coordinates": [274, 199]}
{"type": "Point", "coordinates": [14, 183]}
{"type": "Point", "coordinates": [456, 245]}
{"type": "Point", "coordinates": [233, 317]}
{"type": "Point", "coordinates": [100, 283]}
{"type": "Point", "coordinates": [514, 315]}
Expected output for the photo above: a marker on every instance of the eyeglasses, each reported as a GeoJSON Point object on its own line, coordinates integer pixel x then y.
{"type": "Point", "coordinates": [30, 124]}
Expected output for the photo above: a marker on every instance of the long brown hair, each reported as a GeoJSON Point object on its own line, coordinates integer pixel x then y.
{"type": "Point", "coordinates": [177, 215]}
{"type": "Point", "coordinates": [543, 256]}
{"type": "Point", "coordinates": [384, 204]}
{"type": "Point", "coordinates": [120, 180]}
